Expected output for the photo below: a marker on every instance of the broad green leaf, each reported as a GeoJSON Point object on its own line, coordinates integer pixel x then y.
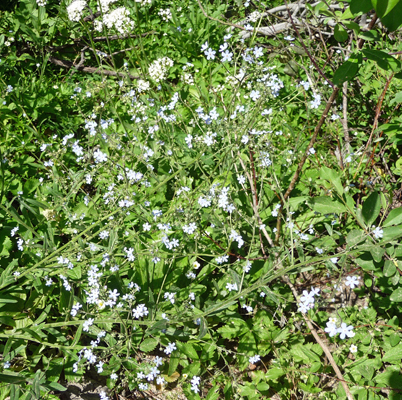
{"type": "Point", "coordinates": [393, 355]}
{"type": "Point", "coordinates": [396, 99]}
{"type": "Point", "coordinates": [347, 70]}
{"type": "Point", "coordinates": [383, 60]}
{"type": "Point", "coordinates": [383, 7]}
{"type": "Point", "coordinates": [274, 373]}
{"type": "Point", "coordinates": [333, 177]}
{"type": "Point", "coordinates": [355, 237]}
{"type": "Point", "coordinates": [393, 20]}
{"type": "Point", "coordinates": [188, 349]}
{"type": "Point", "coordinates": [391, 377]}
{"type": "Point", "coordinates": [340, 33]}
{"type": "Point", "coordinates": [148, 345]}
{"type": "Point", "coordinates": [394, 217]}
{"type": "Point", "coordinates": [389, 268]}
{"type": "Point", "coordinates": [325, 205]}
{"type": "Point", "coordinates": [371, 208]}
{"type": "Point", "coordinates": [360, 6]}
{"type": "Point", "coordinates": [396, 295]}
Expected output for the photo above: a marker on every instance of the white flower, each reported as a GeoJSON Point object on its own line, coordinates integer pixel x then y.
{"type": "Point", "coordinates": [334, 260]}
{"type": "Point", "coordinates": [119, 19]}
{"type": "Point", "coordinates": [353, 348]}
{"type": "Point", "coordinates": [331, 329]}
{"type": "Point", "coordinates": [210, 54]}
{"type": "Point", "coordinates": [87, 324]}
{"type": "Point", "coordinates": [255, 95]}
{"type": "Point", "coordinates": [75, 9]}
{"type": "Point", "coordinates": [378, 232]}
{"type": "Point", "coordinates": [170, 348]}
{"type": "Point", "coordinates": [254, 359]}
{"type": "Point", "coordinates": [352, 281]}
{"type": "Point", "coordinates": [345, 330]}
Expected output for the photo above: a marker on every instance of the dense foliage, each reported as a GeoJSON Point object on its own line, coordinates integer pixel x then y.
{"type": "Point", "coordinates": [198, 199]}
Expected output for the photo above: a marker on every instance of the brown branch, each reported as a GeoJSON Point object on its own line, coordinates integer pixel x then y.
{"type": "Point", "coordinates": [306, 50]}
{"type": "Point", "coordinates": [304, 158]}
{"type": "Point", "coordinates": [93, 70]}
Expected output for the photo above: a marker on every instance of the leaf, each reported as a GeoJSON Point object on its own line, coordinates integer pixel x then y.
{"type": "Point", "coordinates": [396, 99]}
{"type": "Point", "coordinates": [148, 345]}
{"type": "Point", "coordinates": [396, 295]}
{"type": "Point", "coordinates": [333, 177]}
{"type": "Point", "coordinates": [340, 33]}
{"type": "Point", "coordinates": [355, 237]}
{"type": "Point", "coordinates": [383, 60]}
{"type": "Point", "coordinates": [393, 355]}
{"type": "Point", "coordinates": [274, 373]}
{"type": "Point", "coordinates": [384, 7]}
{"type": "Point", "coordinates": [347, 70]}
{"type": "Point", "coordinates": [360, 6]}
{"type": "Point", "coordinates": [393, 20]}
{"type": "Point", "coordinates": [389, 268]}
{"type": "Point", "coordinates": [371, 208]}
{"type": "Point", "coordinates": [188, 349]}
{"type": "Point", "coordinates": [394, 217]}
{"type": "Point", "coordinates": [325, 205]}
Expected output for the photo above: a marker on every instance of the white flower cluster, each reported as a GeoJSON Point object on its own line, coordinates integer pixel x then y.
{"type": "Point", "coordinates": [159, 68]}
{"type": "Point", "coordinates": [316, 102]}
{"type": "Point", "coordinates": [237, 238]}
{"type": "Point", "coordinates": [307, 300]}
{"type": "Point", "coordinates": [232, 286]}
{"type": "Point", "coordinates": [165, 14]}
{"type": "Point", "coordinates": [169, 296]}
{"type": "Point", "coordinates": [254, 16]}
{"type": "Point", "coordinates": [104, 5]}
{"type": "Point", "coordinates": [170, 348]}
{"type": "Point", "coordinates": [75, 10]}
{"type": "Point", "coordinates": [41, 3]}
{"type": "Point", "coordinates": [254, 359]}
{"type": "Point", "coordinates": [140, 311]}
{"type": "Point", "coordinates": [142, 86]}
{"type": "Point", "coordinates": [195, 382]}
{"type": "Point", "coordinates": [119, 19]}
{"type": "Point", "coordinates": [332, 329]}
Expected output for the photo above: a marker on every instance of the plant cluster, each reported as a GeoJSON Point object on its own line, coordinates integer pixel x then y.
{"type": "Point", "coordinates": [195, 202]}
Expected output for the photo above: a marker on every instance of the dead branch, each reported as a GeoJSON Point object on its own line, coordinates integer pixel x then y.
{"type": "Point", "coordinates": [93, 70]}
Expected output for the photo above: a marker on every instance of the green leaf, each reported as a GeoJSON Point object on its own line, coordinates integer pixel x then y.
{"type": "Point", "coordinates": [188, 349]}
{"type": "Point", "coordinates": [347, 70]}
{"type": "Point", "coordinates": [393, 355]}
{"type": "Point", "coordinates": [391, 377]}
{"type": "Point", "coordinates": [355, 237]}
{"type": "Point", "coordinates": [360, 6]}
{"type": "Point", "coordinates": [325, 205]}
{"type": "Point", "coordinates": [383, 60]}
{"type": "Point", "coordinates": [274, 373]}
{"type": "Point", "coordinates": [389, 268]}
{"type": "Point", "coordinates": [384, 7]}
{"type": "Point", "coordinates": [148, 345]}
{"type": "Point", "coordinates": [393, 20]}
{"type": "Point", "coordinates": [396, 295]}
{"type": "Point", "coordinates": [340, 33]}
{"type": "Point", "coordinates": [333, 177]}
{"type": "Point", "coordinates": [371, 208]}
{"type": "Point", "coordinates": [394, 217]}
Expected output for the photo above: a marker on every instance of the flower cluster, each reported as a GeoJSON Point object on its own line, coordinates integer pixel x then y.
{"type": "Point", "coordinates": [75, 10]}
{"type": "Point", "coordinates": [333, 329]}
{"type": "Point", "coordinates": [159, 68]}
{"type": "Point", "coordinates": [307, 300]}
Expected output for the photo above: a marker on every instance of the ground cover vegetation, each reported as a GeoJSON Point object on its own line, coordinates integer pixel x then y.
{"type": "Point", "coordinates": [201, 199]}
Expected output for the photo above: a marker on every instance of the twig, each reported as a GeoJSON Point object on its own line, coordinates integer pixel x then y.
{"type": "Point", "coordinates": [345, 115]}
{"type": "Point", "coordinates": [375, 123]}
{"type": "Point", "coordinates": [93, 70]}
{"type": "Point", "coordinates": [304, 158]}
{"type": "Point", "coordinates": [307, 51]}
